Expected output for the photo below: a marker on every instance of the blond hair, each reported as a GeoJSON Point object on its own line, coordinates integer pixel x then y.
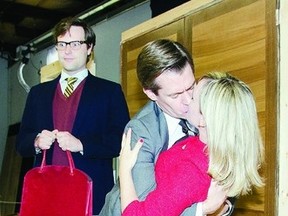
{"type": "Point", "coordinates": [234, 142]}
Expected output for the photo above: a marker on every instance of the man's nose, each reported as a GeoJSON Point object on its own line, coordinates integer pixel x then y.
{"type": "Point", "coordinates": [186, 97]}
{"type": "Point", "coordinates": [67, 50]}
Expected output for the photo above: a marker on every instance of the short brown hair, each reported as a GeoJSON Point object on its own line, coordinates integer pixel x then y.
{"type": "Point", "coordinates": [158, 56]}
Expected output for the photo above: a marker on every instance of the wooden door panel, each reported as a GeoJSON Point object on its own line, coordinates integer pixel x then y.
{"type": "Point", "coordinates": [231, 37]}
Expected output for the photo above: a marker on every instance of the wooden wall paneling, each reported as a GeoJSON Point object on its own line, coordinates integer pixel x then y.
{"type": "Point", "coordinates": [130, 50]}
{"type": "Point", "coordinates": [232, 36]}
{"type": "Point", "coordinates": [272, 105]}
{"type": "Point", "coordinates": [167, 18]}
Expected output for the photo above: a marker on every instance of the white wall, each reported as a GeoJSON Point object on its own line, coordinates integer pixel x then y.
{"type": "Point", "coordinates": [283, 112]}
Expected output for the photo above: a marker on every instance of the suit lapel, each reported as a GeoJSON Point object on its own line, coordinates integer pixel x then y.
{"type": "Point", "coordinates": [84, 102]}
{"type": "Point", "coordinates": [47, 101]}
{"type": "Point", "coordinates": [163, 128]}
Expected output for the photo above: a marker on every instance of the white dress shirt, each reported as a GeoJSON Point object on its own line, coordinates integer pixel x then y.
{"type": "Point", "coordinates": [174, 129]}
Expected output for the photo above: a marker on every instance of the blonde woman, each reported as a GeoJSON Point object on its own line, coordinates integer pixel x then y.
{"type": "Point", "coordinates": [228, 150]}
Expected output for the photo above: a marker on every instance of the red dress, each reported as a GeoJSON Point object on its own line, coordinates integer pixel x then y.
{"type": "Point", "coordinates": [181, 178]}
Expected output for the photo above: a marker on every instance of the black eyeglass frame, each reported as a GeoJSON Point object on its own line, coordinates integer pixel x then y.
{"type": "Point", "coordinates": [69, 43]}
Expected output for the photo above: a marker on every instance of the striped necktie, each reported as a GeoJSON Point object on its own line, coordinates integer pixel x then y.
{"type": "Point", "coordinates": [188, 129]}
{"type": "Point", "coordinates": [69, 88]}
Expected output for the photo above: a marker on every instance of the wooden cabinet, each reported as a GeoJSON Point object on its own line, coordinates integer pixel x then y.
{"type": "Point", "coordinates": [229, 35]}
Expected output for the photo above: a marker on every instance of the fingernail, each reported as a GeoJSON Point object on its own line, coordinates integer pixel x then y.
{"type": "Point", "coordinates": [141, 140]}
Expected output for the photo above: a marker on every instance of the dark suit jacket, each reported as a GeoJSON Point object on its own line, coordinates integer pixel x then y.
{"type": "Point", "coordinates": [100, 120]}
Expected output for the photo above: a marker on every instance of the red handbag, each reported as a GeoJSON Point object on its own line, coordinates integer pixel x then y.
{"type": "Point", "coordinates": [51, 190]}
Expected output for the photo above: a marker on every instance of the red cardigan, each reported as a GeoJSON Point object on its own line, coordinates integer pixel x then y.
{"type": "Point", "coordinates": [181, 177]}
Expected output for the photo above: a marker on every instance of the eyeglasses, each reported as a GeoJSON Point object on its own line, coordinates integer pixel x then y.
{"type": "Point", "coordinates": [74, 45]}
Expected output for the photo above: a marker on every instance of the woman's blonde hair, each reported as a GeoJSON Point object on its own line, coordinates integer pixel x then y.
{"type": "Point", "coordinates": [234, 142]}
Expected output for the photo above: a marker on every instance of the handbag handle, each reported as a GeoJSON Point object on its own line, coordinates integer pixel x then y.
{"type": "Point", "coordinates": [70, 161]}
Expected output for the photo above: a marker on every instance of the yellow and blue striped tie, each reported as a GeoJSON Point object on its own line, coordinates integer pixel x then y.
{"type": "Point", "coordinates": [69, 88]}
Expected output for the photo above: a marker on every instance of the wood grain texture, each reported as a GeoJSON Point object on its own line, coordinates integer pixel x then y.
{"type": "Point", "coordinates": [234, 41]}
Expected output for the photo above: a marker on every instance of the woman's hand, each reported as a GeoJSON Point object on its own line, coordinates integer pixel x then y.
{"type": "Point", "coordinates": [127, 160]}
{"type": "Point", "coordinates": [128, 157]}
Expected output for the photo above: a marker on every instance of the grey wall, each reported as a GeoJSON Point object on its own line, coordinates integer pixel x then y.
{"type": "Point", "coordinates": [17, 94]}
{"type": "Point", "coordinates": [107, 59]}
{"type": "Point", "coordinates": [108, 39]}
{"type": "Point", "coordinates": [3, 106]}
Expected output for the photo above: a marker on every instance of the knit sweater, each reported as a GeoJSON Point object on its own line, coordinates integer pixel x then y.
{"type": "Point", "coordinates": [64, 113]}
{"type": "Point", "coordinates": [181, 177]}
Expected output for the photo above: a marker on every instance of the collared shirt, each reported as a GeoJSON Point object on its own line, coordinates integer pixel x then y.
{"type": "Point", "coordinates": [80, 75]}
{"type": "Point", "coordinates": [174, 129]}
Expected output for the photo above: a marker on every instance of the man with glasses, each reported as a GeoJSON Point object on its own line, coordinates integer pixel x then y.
{"type": "Point", "coordinates": [77, 112]}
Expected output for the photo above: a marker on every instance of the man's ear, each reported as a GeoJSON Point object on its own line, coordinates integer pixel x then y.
{"type": "Point", "coordinates": [90, 49]}
{"type": "Point", "coordinates": [150, 94]}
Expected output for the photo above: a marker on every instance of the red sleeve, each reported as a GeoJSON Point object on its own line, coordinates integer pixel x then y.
{"type": "Point", "coordinates": [186, 185]}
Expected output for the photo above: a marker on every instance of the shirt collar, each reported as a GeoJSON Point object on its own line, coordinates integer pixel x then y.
{"type": "Point", "coordinates": [174, 129]}
{"type": "Point", "coordinates": [81, 75]}
{"type": "Point", "coordinates": [172, 123]}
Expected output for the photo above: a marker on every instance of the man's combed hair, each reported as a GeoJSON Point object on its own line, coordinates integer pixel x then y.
{"type": "Point", "coordinates": [159, 56]}
{"type": "Point", "coordinates": [234, 142]}
{"type": "Point", "coordinates": [65, 24]}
